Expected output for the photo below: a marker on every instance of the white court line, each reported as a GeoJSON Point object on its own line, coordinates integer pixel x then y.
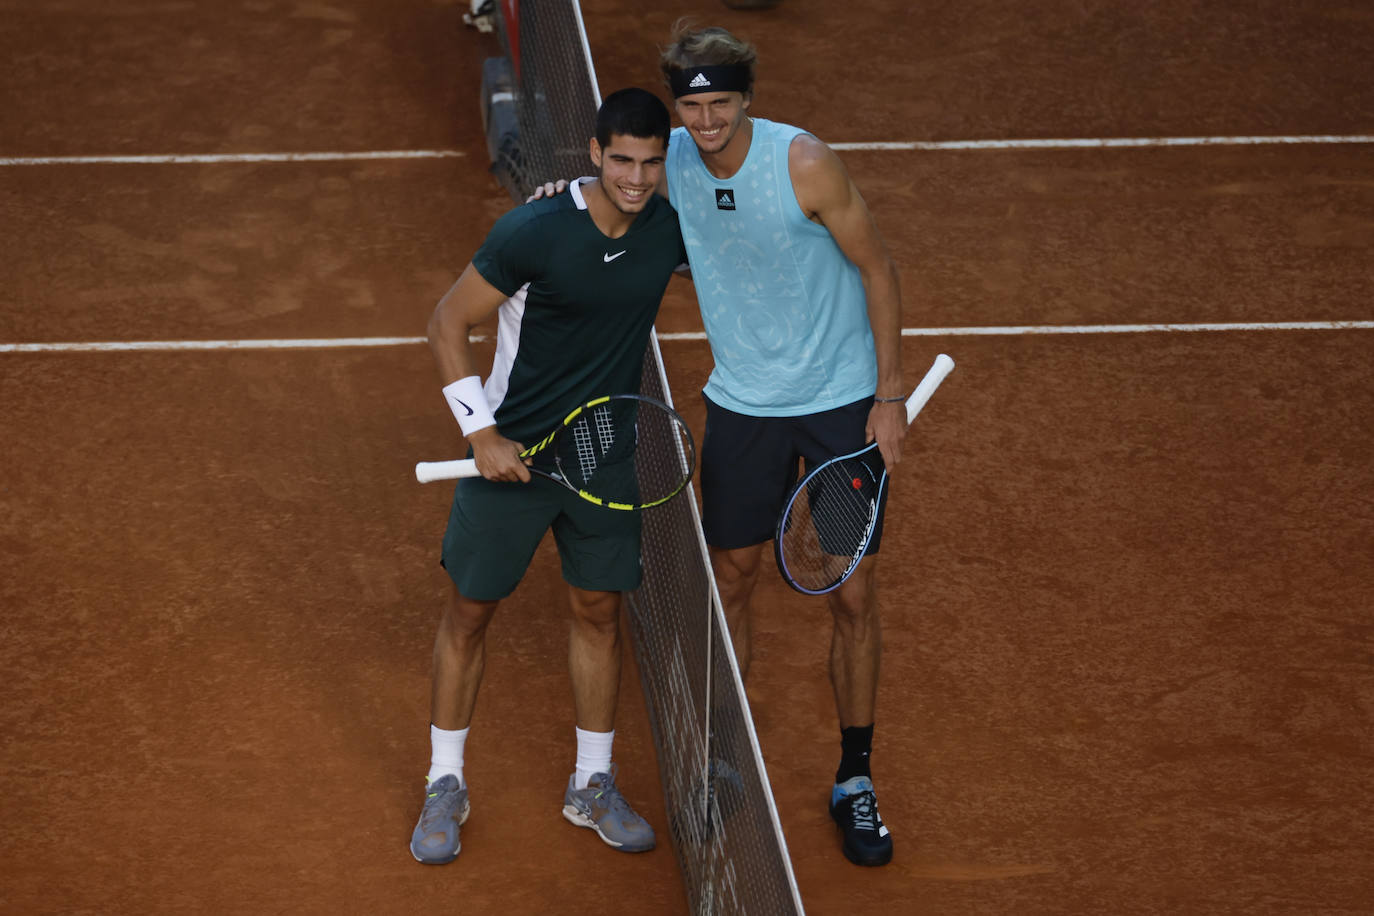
{"type": "Point", "coordinates": [236, 157]}
{"type": "Point", "coordinates": [1138, 328]}
{"type": "Point", "coordinates": [316, 343]}
{"type": "Point", "coordinates": [1107, 142]}
{"type": "Point", "coordinates": [329, 343]}
{"type": "Point", "coordinates": [1031, 329]}
{"type": "Point", "coordinates": [1089, 143]}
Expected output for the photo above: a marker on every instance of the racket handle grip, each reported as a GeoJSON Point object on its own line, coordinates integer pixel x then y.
{"type": "Point", "coordinates": [942, 367]}
{"type": "Point", "coordinates": [429, 471]}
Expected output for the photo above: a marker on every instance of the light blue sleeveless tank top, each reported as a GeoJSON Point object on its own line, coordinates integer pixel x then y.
{"type": "Point", "coordinates": [783, 308]}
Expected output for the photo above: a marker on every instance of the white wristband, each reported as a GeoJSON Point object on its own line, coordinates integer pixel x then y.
{"type": "Point", "coordinates": [469, 404]}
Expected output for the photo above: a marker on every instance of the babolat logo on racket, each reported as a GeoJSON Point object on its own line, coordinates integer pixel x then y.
{"type": "Point", "coordinates": [725, 200]}
{"type": "Point", "coordinates": [699, 81]}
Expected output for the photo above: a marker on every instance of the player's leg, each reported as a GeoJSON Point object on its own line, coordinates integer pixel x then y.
{"type": "Point", "coordinates": [492, 533]}
{"type": "Point", "coordinates": [459, 658]}
{"type": "Point", "coordinates": [737, 572]}
{"type": "Point", "coordinates": [748, 465]}
{"type": "Point", "coordinates": [855, 655]}
{"type": "Point", "coordinates": [856, 634]}
{"type": "Point", "coordinates": [460, 655]}
{"type": "Point", "coordinates": [600, 553]}
{"type": "Point", "coordinates": [856, 646]}
{"type": "Point", "coordinates": [594, 653]}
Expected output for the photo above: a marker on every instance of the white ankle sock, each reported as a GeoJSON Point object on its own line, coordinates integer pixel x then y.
{"type": "Point", "coordinates": [446, 753]}
{"type": "Point", "coordinates": [593, 755]}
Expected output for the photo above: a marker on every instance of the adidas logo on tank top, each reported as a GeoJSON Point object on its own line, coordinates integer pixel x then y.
{"type": "Point", "coordinates": [725, 200]}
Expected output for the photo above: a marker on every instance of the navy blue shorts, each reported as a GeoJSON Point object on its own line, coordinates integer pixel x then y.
{"type": "Point", "coordinates": [750, 464]}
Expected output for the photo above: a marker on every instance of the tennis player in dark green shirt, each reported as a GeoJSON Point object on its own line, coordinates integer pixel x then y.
{"type": "Point", "coordinates": [577, 281]}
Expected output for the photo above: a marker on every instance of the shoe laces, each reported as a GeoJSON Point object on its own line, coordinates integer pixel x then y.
{"type": "Point", "coordinates": [863, 811]}
{"type": "Point", "coordinates": [615, 802]}
{"type": "Point", "coordinates": [609, 795]}
{"type": "Point", "coordinates": [440, 804]}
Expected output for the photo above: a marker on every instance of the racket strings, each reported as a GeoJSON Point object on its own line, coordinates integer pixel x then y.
{"type": "Point", "coordinates": [627, 450]}
{"type": "Point", "coordinates": [586, 448]}
{"type": "Point", "coordinates": [827, 523]}
{"type": "Point", "coordinates": [605, 428]}
{"type": "Point", "coordinates": [665, 455]}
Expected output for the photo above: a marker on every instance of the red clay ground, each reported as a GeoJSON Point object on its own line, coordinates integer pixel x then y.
{"type": "Point", "coordinates": [1127, 577]}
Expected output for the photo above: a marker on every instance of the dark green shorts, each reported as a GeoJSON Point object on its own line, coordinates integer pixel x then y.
{"type": "Point", "coordinates": [494, 529]}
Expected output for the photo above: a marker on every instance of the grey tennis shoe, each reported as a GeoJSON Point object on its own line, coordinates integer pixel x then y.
{"type": "Point", "coordinates": [435, 838]}
{"type": "Point", "coordinates": [601, 807]}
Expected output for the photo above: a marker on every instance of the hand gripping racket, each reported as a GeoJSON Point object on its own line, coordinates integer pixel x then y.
{"type": "Point", "coordinates": [830, 515]}
{"type": "Point", "coordinates": [622, 451]}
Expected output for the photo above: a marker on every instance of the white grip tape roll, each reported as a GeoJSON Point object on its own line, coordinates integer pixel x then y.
{"type": "Point", "coordinates": [469, 404]}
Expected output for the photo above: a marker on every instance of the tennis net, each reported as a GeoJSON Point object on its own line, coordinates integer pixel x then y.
{"type": "Point", "coordinates": [539, 106]}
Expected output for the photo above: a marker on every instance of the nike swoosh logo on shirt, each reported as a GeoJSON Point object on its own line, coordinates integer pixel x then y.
{"type": "Point", "coordinates": [608, 258]}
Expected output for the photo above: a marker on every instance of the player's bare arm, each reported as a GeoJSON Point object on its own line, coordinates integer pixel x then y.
{"type": "Point", "coordinates": [468, 303]}
{"type": "Point", "coordinates": [828, 196]}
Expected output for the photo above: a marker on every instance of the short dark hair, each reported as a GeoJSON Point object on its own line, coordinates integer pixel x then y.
{"type": "Point", "coordinates": [633, 112]}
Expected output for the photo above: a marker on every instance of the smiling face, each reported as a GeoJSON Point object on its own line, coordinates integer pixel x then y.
{"type": "Point", "coordinates": [712, 118]}
{"type": "Point", "coordinates": [630, 168]}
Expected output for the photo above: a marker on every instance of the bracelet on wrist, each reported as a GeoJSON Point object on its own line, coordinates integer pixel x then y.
{"type": "Point", "coordinates": [900, 397]}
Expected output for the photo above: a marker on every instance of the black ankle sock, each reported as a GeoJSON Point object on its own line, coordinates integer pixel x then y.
{"type": "Point", "coordinates": [856, 743]}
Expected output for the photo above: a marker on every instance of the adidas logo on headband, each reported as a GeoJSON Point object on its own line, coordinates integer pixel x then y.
{"type": "Point", "coordinates": [711, 78]}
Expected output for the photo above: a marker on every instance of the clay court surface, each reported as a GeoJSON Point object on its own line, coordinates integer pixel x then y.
{"type": "Point", "coordinates": [1129, 643]}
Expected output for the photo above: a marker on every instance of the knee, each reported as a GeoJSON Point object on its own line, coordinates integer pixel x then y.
{"type": "Point", "coordinates": [855, 603]}
{"type": "Point", "coordinates": [597, 613]}
{"type": "Point", "coordinates": [736, 571]}
{"type": "Point", "coordinates": [465, 618]}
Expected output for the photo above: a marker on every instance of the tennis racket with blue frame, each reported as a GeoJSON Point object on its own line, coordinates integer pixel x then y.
{"type": "Point", "coordinates": [830, 515]}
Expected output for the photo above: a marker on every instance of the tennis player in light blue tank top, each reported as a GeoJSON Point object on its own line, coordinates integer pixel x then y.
{"type": "Point", "coordinates": [800, 302]}
{"type": "Point", "coordinates": [784, 309]}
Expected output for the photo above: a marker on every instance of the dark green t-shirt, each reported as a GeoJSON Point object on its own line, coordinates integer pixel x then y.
{"type": "Point", "coordinates": [580, 309]}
